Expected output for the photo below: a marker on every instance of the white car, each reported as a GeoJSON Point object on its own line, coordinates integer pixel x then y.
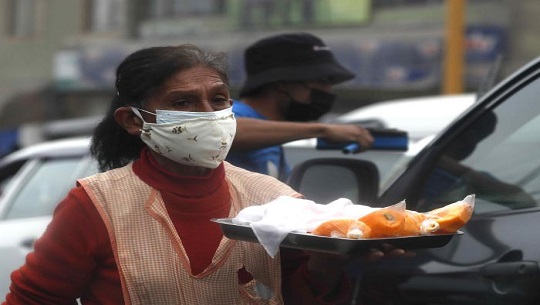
{"type": "Point", "coordinates": [420, 117]}
{"type": "Point", "coordinates": [32, 182]}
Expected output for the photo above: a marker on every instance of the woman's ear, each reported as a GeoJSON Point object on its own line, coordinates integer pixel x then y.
{"type": "Point", "coordinates": [126, 118]}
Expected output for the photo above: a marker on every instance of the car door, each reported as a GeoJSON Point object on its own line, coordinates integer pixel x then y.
{"type": "Point", "coordinates": [28, 203]}
{"type": "Point", "coordinates": [491, 152]}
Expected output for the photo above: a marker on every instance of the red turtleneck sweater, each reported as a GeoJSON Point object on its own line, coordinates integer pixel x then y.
{"type": "Point", "coordinates": [74, 258]}
{"type": "Point", "coordinates": [191, 202]}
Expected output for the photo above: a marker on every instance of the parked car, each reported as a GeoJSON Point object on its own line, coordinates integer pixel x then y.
{"type": "Point", "coordinates": [421, 117]}
{"type": "Point", "coordinates": [491, 151]}
{"type": "Point", "coordinates": [32, 182]}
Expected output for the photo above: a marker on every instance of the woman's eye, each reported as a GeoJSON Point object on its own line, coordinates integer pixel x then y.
{"type": "Point", "coordinates": [221, 101]}
{"type": "Point", "coordinates": [181, 103]}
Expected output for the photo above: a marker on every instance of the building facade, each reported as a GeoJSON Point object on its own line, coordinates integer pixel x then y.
{"type": "Point", "coordinates": [58, 57]}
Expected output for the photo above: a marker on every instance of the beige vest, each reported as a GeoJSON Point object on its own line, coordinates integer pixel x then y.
{"type": "Point", "coordinates": [153, 265]}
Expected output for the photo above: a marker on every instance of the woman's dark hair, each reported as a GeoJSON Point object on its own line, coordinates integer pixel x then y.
{"type": "Point", "coordinates": [137, 78]}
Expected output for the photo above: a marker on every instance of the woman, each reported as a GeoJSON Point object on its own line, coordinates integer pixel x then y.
{"type": "Point", "coordinates": [140, 232]}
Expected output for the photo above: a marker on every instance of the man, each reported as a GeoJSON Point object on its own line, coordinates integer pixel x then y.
{"type": "Point", "coordinates": [288, 88]}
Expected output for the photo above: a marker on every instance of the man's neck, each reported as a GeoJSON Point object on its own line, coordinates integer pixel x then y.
{"type": "Point", "coordinates": [268, 106]}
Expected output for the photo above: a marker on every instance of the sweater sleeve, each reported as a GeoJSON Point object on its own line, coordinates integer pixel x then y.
{"type": "Point", "coordinates": [64, 257]}
{"type": "Point", "coordinates": [300, 288]}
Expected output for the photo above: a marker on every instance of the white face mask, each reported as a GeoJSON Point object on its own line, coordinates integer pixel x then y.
{"type": "Point", "coordinates": [190, 138]}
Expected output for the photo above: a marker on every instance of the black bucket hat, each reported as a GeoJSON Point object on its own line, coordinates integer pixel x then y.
{"type": "Point", "coordinates": [291, 57]}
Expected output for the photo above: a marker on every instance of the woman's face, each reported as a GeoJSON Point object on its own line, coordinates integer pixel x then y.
{"type": "Point", "coordinates": [198, 89]}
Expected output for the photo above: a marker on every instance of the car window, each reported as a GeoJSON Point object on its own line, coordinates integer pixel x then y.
{"type": "Point", "coordinates": [4, 183]}
{"type": "Point", "coordinates": [7, 173]}
{"type": "Point", "coordinates": [496, 159]}
{"type": "Point", "coordinates": [48, 183]}
{"type": "Point", "coordinates": [312, 187]}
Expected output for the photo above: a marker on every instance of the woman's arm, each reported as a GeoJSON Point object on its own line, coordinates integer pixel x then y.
{"type": "Point", "coordinates": [302, 287]}
{"type": "Point", "coordinates": [62, 262]}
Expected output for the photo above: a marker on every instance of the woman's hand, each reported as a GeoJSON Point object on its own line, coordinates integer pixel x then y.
{"type": "Point", "coordinates": [387, 251]}
{"type": "Point", "coordinates": [328, 268]}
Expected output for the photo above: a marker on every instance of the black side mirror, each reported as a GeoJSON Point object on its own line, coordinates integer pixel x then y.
{"type": "Point", "coordinates": [326, 179]}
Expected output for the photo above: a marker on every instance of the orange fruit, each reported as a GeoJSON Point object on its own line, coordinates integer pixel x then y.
{"type": "Point", "coordinates": [344, 228]}
{"type": "Point", "coordinates": [385, 222]}
{"type": "Point", "coordinates": [451, 217]}
{"type": "Point", "coordinates": [418, 224]}
{"type": "Point", "coordinates": [411, 224]}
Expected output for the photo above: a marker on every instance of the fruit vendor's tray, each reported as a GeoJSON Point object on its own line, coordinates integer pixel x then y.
{"type": "Point", "coordinates": [316, 243]}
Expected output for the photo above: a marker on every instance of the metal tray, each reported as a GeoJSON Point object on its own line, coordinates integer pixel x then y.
{"type": "Point", "coordinates": [334, 245]}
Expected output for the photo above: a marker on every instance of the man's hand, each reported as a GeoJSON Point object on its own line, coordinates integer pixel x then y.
{"type": "Point", "coordinates": [348, 133]}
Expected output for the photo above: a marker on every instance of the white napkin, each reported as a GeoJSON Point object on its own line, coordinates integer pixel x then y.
{"type": "Point", "coordinates": [272, 221]}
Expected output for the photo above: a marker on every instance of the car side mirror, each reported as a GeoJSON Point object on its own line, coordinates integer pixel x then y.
{"type": "Point", "coordinates": [326, 179]}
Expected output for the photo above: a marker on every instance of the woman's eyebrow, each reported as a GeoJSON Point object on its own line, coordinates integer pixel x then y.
{"type": "Point", "coordinates": [180, 92]}
{"type": "Point", "coordinates": [222, 86]}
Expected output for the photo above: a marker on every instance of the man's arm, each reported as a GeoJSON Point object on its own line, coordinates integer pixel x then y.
{"type": "Point", "coordinates": [255, 134]}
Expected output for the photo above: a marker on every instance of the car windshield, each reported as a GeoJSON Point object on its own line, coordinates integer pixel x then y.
{"type": "Point", "coordinates": [495, 158]}
{"type": "Point", "coordinates": [50, 181]}
{"type": "Point", "coordinates": [401, 164]}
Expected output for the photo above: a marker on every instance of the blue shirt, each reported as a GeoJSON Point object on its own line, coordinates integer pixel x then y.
{"type": "Point", "coordinates": [270, 160]}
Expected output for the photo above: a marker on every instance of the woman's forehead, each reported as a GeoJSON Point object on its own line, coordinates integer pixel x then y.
{"type": "Point", "coordinates": [192, 81]}
{"type": "Point", "coordinates": [194, 76]}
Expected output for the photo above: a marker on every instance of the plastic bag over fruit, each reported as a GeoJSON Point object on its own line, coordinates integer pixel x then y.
{"type": "Point", "coordinates": [271, 222]}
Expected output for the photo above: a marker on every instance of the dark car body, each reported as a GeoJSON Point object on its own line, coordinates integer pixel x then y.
{"type": "Point", "coordinates": [491, 151]}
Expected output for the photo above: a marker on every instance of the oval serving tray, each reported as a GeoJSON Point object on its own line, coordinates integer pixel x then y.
{"type": "Point", "coordinates": [335, 245]}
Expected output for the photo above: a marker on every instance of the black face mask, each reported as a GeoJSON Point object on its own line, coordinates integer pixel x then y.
{"type": "Point", "coordinates": [321, 103]}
